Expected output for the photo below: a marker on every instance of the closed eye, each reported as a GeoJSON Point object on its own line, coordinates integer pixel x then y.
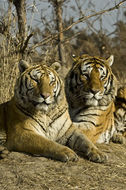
{"type": "Point", "coordinates": [52, 83]}
{"type": "Point", "coordinates": [103, 76]}
{"type": "Point", "coordinates": [102, 73]}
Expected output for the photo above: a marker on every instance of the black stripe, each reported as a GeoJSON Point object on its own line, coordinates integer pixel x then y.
{"type": "Point", "coordinates": [99, 125]}
{"type": "Point", "coordinates": [62, 126]}
{"type": "Point", "coordinates": [75, 142]}
{"type": "Point", "coordinates": [26, 82]}
{"type": "Point", "coordinates": [89, 63]}
{"type": "Point", "coordinates": [91, 114]}
{"type": "Point", "coordinates": [108, 113]}
{"type": "Point", "coordinates": [96, 125]}
{"type": "Point", "coordinates": [85, 121]}
{"type": "Point", "coordinates": [106, 72]}
{"type": "Point", "coordinates": [20, 86]}
{"type": "Point", "coordinates": [83, 109]}
{"type": "Point", "coordinates": [57, 116]}
{"type": "Point", "coordinates": [95, 61]}
{"type": "Point", "coordinates": [100, 132]}
{"type": "Point", "coordinates": [100, 62]}
{"type": "Point", "coordinates": [30, 115]}
{"type": "Point", "coordinates": [69, 138]}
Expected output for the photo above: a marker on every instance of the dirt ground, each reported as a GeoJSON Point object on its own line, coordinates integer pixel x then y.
{"type": "Point", "coordinates": [26, 172]}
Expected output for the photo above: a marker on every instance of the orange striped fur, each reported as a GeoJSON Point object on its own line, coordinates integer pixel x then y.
{"type": "Point", "coordinates": [120, 114]}
{"type": "Point", "coordinates": [36, 120]}
{"type": "Point", "coordinates": [91, 88]}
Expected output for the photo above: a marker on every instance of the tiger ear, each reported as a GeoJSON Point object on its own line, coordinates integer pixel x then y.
{"type": "Point", "coordinates": [110, 60]}
{"type": "Point", "coordinates": [56, 66]}
{"type": "Point", "coordinates": [23, 65]}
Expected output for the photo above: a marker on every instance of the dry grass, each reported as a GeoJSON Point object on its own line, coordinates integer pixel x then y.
{"type": "Point", "coordinates": [8, 70]}
{"type": "Point", "coordinates": [21, 171]}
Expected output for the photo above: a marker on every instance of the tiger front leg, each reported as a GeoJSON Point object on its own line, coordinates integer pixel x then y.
{"type": "Point", "coordinates": [84, 147]}
{"type": "Point", "coordinates": [30, 142]}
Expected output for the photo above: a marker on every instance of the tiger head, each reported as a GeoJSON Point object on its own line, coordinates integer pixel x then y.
{"type": "Point", "coordinates": [38, 86]}
{"type": "Point", "coordinates": [91, 81]}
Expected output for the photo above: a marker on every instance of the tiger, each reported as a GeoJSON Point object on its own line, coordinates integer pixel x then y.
{"type": "Point", "coordinates": [91, 88]}
{"type": "Point", "coordinates": [36, 120]}
{"type": "Point", "coordinates": [120, 114]}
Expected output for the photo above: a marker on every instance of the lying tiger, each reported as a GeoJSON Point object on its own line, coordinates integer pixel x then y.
{"type": "Point", "coordinates": [37, 121]}
{"type": "Point", "coordinates": [91, 88]}
{"type": "Point", "coordinates": [120, 113]}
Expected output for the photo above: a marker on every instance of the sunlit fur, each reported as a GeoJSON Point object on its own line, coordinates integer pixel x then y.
{"type": "Point", "coordinates": [36, 120]}
{"type": "Point", "coordinates": [120, 111]}
{"type": "Point", "coordinates": [91, 88]}
{"type": "Point", "coordinates": [39, 87]}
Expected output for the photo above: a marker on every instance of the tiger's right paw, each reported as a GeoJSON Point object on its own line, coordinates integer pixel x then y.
{"type": "Point", "coordinates": [97, 156]}
{"type": "Point", "coordinates": [66, 154]}
{"type": "Point", "coordinates": [3, 152]}
{"type": "Point", "coordinates": [118, 138]}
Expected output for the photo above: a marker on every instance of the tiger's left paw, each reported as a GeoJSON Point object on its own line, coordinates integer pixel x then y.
{"type": "Point", "coordinates": [118, 138]}
{"type": "Point", "coordinates": [97, 156]}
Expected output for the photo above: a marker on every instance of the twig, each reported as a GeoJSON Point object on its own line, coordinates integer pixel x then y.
{"type": "Point", "coordinates": [82, 19]}
{"type": "Point", "coordinates": [26, 42]}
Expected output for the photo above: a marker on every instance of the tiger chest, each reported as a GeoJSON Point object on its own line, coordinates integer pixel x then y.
{"type": "Point", "coordinates": [97, 123]}
{"type": "Point", "coordinates": [107, 125]}
{"type": "Point", "coordinates": [52, 128]}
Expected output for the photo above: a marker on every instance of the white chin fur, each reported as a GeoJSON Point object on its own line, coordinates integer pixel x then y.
{"type": "Point", "coordinates": [90, 98]}
{"type": "Point", "coordinates": [41, 100]}
{"type": "Point", "coordinates": [49, 100]}
{"type": "Point", "coordinates": [42, 107]}
{"type": "Point", "coordinates": [91, 102]}
{"type": "Point", "coordinates": [98, 97]}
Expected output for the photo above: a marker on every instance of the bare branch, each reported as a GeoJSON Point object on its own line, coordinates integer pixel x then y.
{"type": "Point", "coordinates": [20, 6]}
{"type": "Point", "coordinates": [82, 19]}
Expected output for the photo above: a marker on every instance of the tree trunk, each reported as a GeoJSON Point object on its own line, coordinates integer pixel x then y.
{"type": "Point", "coordinates": [59, 22]}
{"type": "Point", "coordinates": [21, 13]}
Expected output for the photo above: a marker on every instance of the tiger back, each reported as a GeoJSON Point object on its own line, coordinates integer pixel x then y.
{"type": "Point", "coordinates": [91, 88]}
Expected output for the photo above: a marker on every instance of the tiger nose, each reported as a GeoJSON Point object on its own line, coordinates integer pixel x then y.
{"type": "Point", "coordinates": [45, 95]}
{"type": "Point", "coordinates": [94, 91]}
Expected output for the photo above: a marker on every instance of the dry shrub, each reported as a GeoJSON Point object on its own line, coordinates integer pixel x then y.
{"type": "Point", "coordinates": [8, 70]}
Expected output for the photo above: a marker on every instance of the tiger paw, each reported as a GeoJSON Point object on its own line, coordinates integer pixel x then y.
{"type": "Point", "coordinates": [3, 152]}
{"type": "Point", "coordinates": [66, 154]}
{"type": "Point", "coordinates": [97, 156]}
{"type": "Point", "coordinates": [119, 138]}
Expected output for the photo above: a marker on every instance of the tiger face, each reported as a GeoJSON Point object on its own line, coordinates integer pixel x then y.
{"type": "Point", "coordinates": [90, 79]}
{"type": "Point", "coordinates": [38, 86]}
